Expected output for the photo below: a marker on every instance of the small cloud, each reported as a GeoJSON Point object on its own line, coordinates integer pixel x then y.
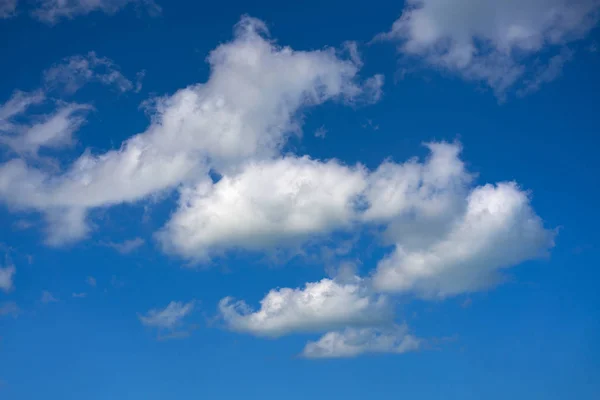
{"type": "Point", "coordinates": [127, 246]}
{"type": "Point", "coordinates": [47, 297]}
{"type": "Point", "coordinates": [79, 295]}
{"type": "Point", "coordinates": [9, 308]}
{"type": "Point", "coordinates": [138, 80]}
{"type": "Point", "coordinates": [8, 8]}
{"type": "Point", "coordinates": [467, 303]}
{"type": "Point", "coordinates": [76, 71]}
{"type": "Point", "coordinates": [6, 278]}
{"type": "Point", "coordinates": [91, 281]}
{"type": "Point", "coordinates": [370, 125]}
{"type": "Point", "coordinates": [321, 132]}
{"type": "Point", "coordinates": [169, 321]}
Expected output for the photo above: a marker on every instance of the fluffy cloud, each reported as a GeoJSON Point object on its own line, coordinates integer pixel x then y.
{"type": "Point", "coordinates": [268, 202]}
{"type": "Point", "coordinates": [246, 110]}
{"type": "Point", "coordinates": [52, 11]}
{"type": "Point", "coordinates": [6, 277]}
{"type": "Point", "coordinates": [352, 342]}
{"type": "Point", "coordinates": [497, 229]}
{"type": "Point", "coordinates": [169, 317]}
{"type": "Point", "coordinates": [76, 71]}
{"type": "Point", "coordinates": [490, 40]}
{"type": "Point", "coordinates": [319, 306]}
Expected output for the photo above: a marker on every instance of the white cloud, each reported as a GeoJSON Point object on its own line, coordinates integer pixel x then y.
{"type": "Point", "coordinates": [497, 229]}
{"type": "Point", "coordinates": [267, 203]}
{"type": "Point", "coordinates": [6, 277]}
{"type": "Point", "coordinates": [54, 131]}
{"type": "Point", "coordinates": [546, 73]}
{"type": "Point", "coordinates": [127, 246]}
{"type": "Point", "coordinates": [7, 8]}
{"type": "Point", "coordinates": [48, 297]}
{"type": "Point", "coordinates": [52, 11]}
{"type": "Point", "coordinates": [74, 72]}
{"type": "Point", "coordinates": [17, 104]}
{"type": "Point", "coordinates": [490, 41]}
{"type": "Point", "coordinates": [169, 317]}
{"type": "Point", "coordinates": [319, 306]}
{"type": "Point", "coordinates": [90, 280]}
{"type": "Point", "coordinates": [246, 110]}
{"type": "Point", "coordinates": [79, 295]}
{"type": "Point", "coordinates": [352, 342]}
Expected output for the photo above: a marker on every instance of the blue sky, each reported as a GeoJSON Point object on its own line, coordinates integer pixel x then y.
{"type": "Point", "coordinates": [338, 200]}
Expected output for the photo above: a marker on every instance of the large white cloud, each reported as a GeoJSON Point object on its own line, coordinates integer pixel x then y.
{"type": "Point", "coordinates": [319, 306]}
{"type": "Point", "coordinates": [268, 203]}
{"type": "Point", "coordinates": [353, 342]}
{"type": "Point", "coordinates": [498, 229]}
{"type": "Point", "coordinates": [489, 40]}
{"type": "Point", "coordinates": [246, 110]}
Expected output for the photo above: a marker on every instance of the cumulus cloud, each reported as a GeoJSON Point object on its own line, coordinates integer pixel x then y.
{"type": "Point", "coordinates": [169, 317]}
{"type": "Point", "coordinates": [490, 41]}
{"type": "Point", "coordinates": [353, 342]}
{"type": "Point", "coordinates": [268, 202]}
{"type": "Point", "coordinates": [498, 229]}
{"type": "Point", "coordinates": [317, 307]}
{"type": "Point", "coordinates": [52, 11]}
{"type": "Point", "coordinates": [246, 110]}
{"type": "Point", "coordinates": [74, 72]}
{"type": "Point", "coordinates": [6, 277]}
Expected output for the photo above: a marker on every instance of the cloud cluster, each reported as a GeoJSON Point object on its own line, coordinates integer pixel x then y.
{"type": "Point", "coordinates": [220, 144]}
{"type": "Point", "coordinates": [245, 111]}
{"type": "Point", "coordinates": [449, 236]}
{"type": "Point", "coordinates": [488, 40]}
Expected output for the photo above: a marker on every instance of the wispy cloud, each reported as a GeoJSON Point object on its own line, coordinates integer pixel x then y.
{"type": "Point", "coordinates": [9, 308]}
{"type": "Point", "coordinates": [127, 246]}
{"type": "Point", "coordinates": [48, 297]}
